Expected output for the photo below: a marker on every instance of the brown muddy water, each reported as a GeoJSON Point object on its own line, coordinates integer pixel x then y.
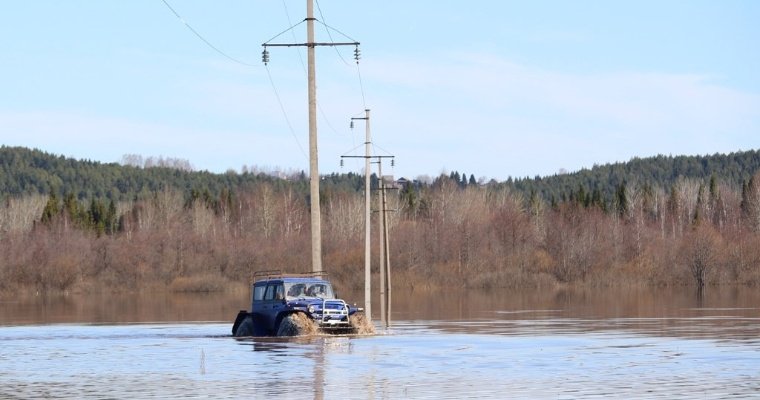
{"type": "Point", "coordinates": [446, 344]}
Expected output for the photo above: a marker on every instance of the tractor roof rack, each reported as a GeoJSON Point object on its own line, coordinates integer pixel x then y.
{"type": "Point", "coordinates": [276, 273]}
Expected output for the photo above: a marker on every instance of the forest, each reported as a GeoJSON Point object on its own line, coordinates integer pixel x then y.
{"type": "Point", "coordinates": [82, 226]}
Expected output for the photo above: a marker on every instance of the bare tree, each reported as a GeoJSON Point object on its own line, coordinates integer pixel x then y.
{"type": "Point", "coordinates": [203, 218]}
{"type": "Point", "coordinates": [133, 160]}
{"type": "Point", "coordinates": [346, 216]}
{"type": "Point", "coordinates": [18, 214]}
{"type": "Point", "coordinates": [700, 252]}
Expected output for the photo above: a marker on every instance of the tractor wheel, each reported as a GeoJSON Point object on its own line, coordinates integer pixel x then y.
{"type": "Point", "coordinates": [238, 320]}
{"type": "Point", "coordinates": [296, 324]}
{"type": "Point", "coordinates": [245, 328]}
{"type": "Point", "coordinates": [361, 325]}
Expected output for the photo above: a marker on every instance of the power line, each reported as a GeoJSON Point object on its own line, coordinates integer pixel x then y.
{"type": "Point", "coordinates": [382, 149]}
{"type": "Point", "coordinates": [209, 44]}
{"type": "Point", "coordinates": [303, 65]}
{"type": "Point", "coordinates": [361, 85]}
{"type": "Point", "coordinates": [327, 29]}
{"type": "Point", "coordinates": [285, 114]}
{"type": "Point", "coordinates": [293, 33]}
{"type": "Point", "coordinates": [324, 23]}
{"type": "Point", "coordinates": [269, 75]}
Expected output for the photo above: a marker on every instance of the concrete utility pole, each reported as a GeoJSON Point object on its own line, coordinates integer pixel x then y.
{"type": "Point", "coordinates": [381, 234]}
{"type": "Point", "coordinates": [311, 44]}
{"type": "Point", "coordinates": [383, 249]}
{"type": "Point", "coordinates": [316, 211]}
{"type": "Point", "coordinates": [367, 223]}
{"type": "Point", "coordinates": [387, 260]}
{"type": "Point", "coordinates": [367, 217]}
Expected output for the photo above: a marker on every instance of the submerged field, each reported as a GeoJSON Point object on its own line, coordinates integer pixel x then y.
{"type": "Point", "coordinates": [442, 345]}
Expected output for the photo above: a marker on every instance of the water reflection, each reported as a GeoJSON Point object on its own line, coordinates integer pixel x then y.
{"type": "Point", "coordinates": [121, 308]}
{"type": "Point", "coordinates": [725, 313]}
{"type": "Point", "coordinates": [305, 356]}
{"type": "Point", "coordinates": [731, 313]}
{"type": "Point", "coordinates": [535, 352]}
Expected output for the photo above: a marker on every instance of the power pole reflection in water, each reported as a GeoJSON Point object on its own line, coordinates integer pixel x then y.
{"type": "Point", "coordinates": [323, 346]}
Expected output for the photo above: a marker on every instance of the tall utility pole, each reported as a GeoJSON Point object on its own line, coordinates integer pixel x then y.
{"type": "Point", "coordinates": [384, 241]}
{"type": "Point", "coordinates": [367, 225]}
{"type": "Point", "coordinates": [381, 234]}
{"type": "Point", "coordinates": [316, 212]}
{"type": "Point", "coordinates": [387, 261]}
{"type": "Point", "coordinates": [367, 217]}
{"type": "Point", "coordinates": [316, 220]}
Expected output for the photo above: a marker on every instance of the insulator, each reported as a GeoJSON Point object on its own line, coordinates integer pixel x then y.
{"type": "Point", "coordinates": [352, 124]}
{"type": "Point", "coordinates": [341, 163]}
{"type": "Point", "coordinates": [357, 54]}
{"type": "Point", "coordinates": [265, 56]}
{"type": "Point", "coordinates": [393, 162]}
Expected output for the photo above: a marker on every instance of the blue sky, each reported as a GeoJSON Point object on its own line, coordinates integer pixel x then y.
{"type": "Point", "coordinates": [489, 88]}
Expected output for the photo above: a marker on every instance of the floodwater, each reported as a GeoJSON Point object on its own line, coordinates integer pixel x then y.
{"type": "Point", "coordinates": [533, 344]}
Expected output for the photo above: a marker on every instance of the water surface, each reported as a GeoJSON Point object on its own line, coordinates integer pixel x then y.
{"type": "Point", "coordinates": [566, 344]}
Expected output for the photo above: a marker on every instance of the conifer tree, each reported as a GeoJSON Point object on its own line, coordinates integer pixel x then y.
{"type": "Point", "coordinates": [696, 219]}
{"type": "Point", "coordinates": [621, 200]}
{"type": "Point", "coordinates": [51, 209]}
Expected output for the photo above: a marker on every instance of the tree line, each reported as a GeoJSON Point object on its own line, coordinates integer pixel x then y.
{"type": "Point", "coordinates": [29, 171]}
{"type": "Point", "coordinates": [697, 230]}
{"type": "Point", "coordinates": [25, 172]}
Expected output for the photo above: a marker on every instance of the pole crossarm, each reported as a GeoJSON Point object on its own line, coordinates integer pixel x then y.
{"type": "Point", "coordinates": [374, 162]}
{"type": "Point", "coordinates": [265, 45]}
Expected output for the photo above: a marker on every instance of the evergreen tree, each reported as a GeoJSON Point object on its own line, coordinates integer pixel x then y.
{"type": "Point", "coordinates": [73, 211]}
{"type": "Point", "coordinates": [97, 214]}
{"type": "Point", "coordinates": [581, 198]}
{"type": "Point", "coordinates": [111, 220]}
{"type": "Point", "coordinates": [51, 209]}
{"type": "Point", "coordinates": [596, 199]}
{"type": "Point", "coordinates": [621, 200]}
{"type": "Point", "coordinates": [648, 202]}
{"type": "Point", "coordinates": [715, 203]}
{"type": "Point", "coordinates": [408, 197]}
{"type": "Point", "coordinates": [534, 204]}
{"type": "Point", "coordinates": [700, 205]}
{"type": "Point", "coordinates": [745, 200]}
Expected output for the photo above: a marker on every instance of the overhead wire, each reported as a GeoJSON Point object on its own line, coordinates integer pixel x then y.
{"type": "Point", "coordinates": [383, 150]}
{"type": "Point", "coordinates": [327, 29]}
{"type": "Point", "coordinates": [303, 64]}
{"type": "Point", "coordinates": [287, 14]}
{"type": "Point", "coordinates": [290, 29]}
{"type": "Point", "coordinates": [329, 35]}
{"type": "Point", "coordinates": [269, 75]}
{"type": "Point", "coordinates": [358, 71]}
{"type": "Point", "coordinates": [284, 113]}
{"type": "Point", "coordinates": [361, 85]}
{"type": "Point", "coordinates": [209, 44]}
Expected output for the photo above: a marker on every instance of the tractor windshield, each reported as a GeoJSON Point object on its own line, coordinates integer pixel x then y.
{"type": "Point", "coordinates": [309, 290]}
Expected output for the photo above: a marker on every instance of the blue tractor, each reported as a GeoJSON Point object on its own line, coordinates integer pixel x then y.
{"type": "Point", "coordinates": [293, 305]}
